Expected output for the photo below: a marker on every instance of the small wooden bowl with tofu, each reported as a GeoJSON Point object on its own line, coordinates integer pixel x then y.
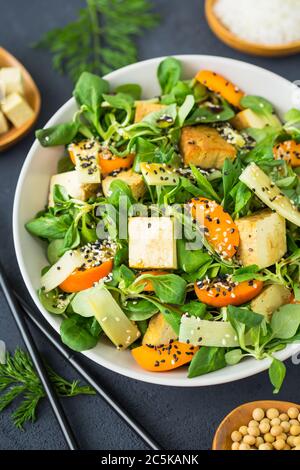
{"type": "Point", "coordinates": [18, 112]}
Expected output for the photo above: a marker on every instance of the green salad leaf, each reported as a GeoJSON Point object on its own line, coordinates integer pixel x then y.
{"type": "Point", "coordinates": [80, 333]}
{"type": "Point", "coordinates": [206, 360]}
{"type": "Point", "coordinates": [169, 288]}
{"type": "Point", "coordinates": [277, 372]}
{"type": "Point", "coordinates": [169, 73]}
{"type": "Point", "coordinates": [61, 134]}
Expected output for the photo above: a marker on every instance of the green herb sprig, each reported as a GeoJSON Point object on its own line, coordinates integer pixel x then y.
{"type": "Point", "coordinates": [101, 39]}
{"type": "Point", "coordinates": [18, 379]}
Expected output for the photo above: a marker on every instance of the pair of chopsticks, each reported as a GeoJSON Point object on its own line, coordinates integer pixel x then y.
{"type": "Point", "coordinates": [18, 307]}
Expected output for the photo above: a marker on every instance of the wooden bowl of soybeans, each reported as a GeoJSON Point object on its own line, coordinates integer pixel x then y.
{"type": "Point", "coordinates": [260, 425]}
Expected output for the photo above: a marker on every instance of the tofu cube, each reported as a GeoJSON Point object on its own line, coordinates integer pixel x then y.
{"type": "Point", "coordinates": [12, 79]}
{"type": "Point", "coordinates": [143, 108]}
{"type": "Point", "coordinates": [16, 109]}
{"type": "Point", "coordinates": [262, 238]}
{"type": "Point", "coordinates": [73, 186]}
{"type": "Point", "coordinates": [152, 243]}
{"type": "Point", "coordinates": [3, 123]}
{"type": "Point", "coordinates": [86, 157]}
{"type": "Point", "coordinates": [270, 299]}
{"type": "Point", "coordinates": [134, 180]}
{"type": "Point", "coordinates": [158, 332]}
{"type": "Point", "coordinates": [204, 147]}
{"type": "Point", "coordinates": [248, 118]}
{"type": "Point", "coordinates": [2, 90]}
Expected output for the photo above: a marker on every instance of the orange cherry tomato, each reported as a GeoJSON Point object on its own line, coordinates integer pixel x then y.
{"type": "Point", "coordinates": [72, 156]}
{"type": "Point", "coordinates": [221, 85]}
{"type": "Point", "coordinates": [219, 229]}
{"type": "Point", "coordinates": [148, 284]}
{"type": "Point", "coordinates": [164, 358]}
{"type": "Point", "coordinates": [222, 292]}
{"type": "Point", "coordinates": [288, 151]}
{"type": "Point", "coordinates": [109, 163]}
{"type": "Point", "coordinates": [292, 300]}
{"type": "Point", "coordinates": [81, 280]}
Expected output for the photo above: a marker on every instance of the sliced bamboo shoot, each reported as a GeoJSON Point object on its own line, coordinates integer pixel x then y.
{"type": "Point", "coordinates": [159, 174]}
{"type": "Point", "coordinates": [99, 302]}
{"type": "Point", "coordinates": [267, 191]}
{"type": "Point", "coordinates": [199, 332]}
{"type": "Point", "coordinates": [62, 269]}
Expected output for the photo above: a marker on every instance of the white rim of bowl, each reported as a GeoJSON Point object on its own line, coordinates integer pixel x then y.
{"type": "Point", "coordinates": [161, 378]}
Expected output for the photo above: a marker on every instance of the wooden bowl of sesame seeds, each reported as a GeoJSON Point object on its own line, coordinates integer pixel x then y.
{"type": "Point", "coordinates": [252, 48]}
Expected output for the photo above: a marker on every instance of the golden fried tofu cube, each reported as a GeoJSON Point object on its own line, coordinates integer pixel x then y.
{"type": "Point", "coordinates": [134, 180]}
{"type": "Point", "coordinates": [204, 147]}
{"type": "Point", "coordinates": [143, 108]}
{"type": "Point", "coordinates": [152, 243]}
{"type": "Point", "coordinates": [270, 299]}
{"type": "Point", "coordinates": [71, 182]}
{"type": "Point", "coordinates": [262, 238]}
{"type": "Point", "coordinates": [159, 332]}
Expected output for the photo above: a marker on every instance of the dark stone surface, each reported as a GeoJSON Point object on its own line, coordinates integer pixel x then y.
{"type": "Point", "coordinates": [179, 418]}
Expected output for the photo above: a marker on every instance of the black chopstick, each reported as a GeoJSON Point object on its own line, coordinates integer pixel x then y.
{"type": "Point", "coordinates": [75, 362]}
{"type": "Point", "coordinates": [37, 361]}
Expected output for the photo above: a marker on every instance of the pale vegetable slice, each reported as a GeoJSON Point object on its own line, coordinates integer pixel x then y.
{"type": "Point", "coordinates": [2, 352]}
{"type": "Point", "coordinates": [85, 155]}
{"type": "Point", "coordinates": [199, 332]}
{"type": "Point", "coordinates": [159, 174]}
{"type": "Point", "coordinates": [267, 191]}
{"type": "Point", "coordinates": [62, 269]}
{"type": "Point", "coordinates": [88, 174]}
{"type": "Point", "coordinates": [98, 302]}
{"type": "Point", "coordinates": [80, 303]}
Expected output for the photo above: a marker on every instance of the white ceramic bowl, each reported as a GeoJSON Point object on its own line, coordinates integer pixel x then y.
{"type": "Point", "coordinates": [40, 164]}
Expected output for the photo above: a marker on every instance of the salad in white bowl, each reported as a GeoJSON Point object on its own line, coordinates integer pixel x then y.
{"type": "Point", "coordinates": [172, 223]}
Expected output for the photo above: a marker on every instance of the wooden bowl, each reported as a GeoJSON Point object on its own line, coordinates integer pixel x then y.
{"type": "Point", "coordinates": [32, 96]}
{"type": "Point", "coordinates": [252, 48]}
{"type": "Point", "coordinates": [241, 416]}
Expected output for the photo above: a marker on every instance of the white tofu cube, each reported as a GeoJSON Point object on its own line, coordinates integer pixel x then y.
{"type": "Point", "coordinates": [3, 123]}
{"type": "Point", "coordinates": [16, 109]}
{"type": "Point", "coordinates": [262, 238]}
{"type": "Point", "coordinates": [12, 78]}
{"type": "Point", "coordinates": [152, 243]}
{"type": "Point", "coordinates": [73, 186]}
{"type": "Point", "coordinates": [86, 154]}
{"type": "Point", "coordinates": [2, 90]}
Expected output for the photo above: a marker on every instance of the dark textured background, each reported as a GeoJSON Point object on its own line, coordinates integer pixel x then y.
{"type": "Point", "coordinates": [179, 418]}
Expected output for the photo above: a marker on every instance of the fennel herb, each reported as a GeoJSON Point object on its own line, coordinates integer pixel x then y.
{"type": "Point", "coordinates": [19, 380]}
{"type": "Point", "coordinates": [101, 39]}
